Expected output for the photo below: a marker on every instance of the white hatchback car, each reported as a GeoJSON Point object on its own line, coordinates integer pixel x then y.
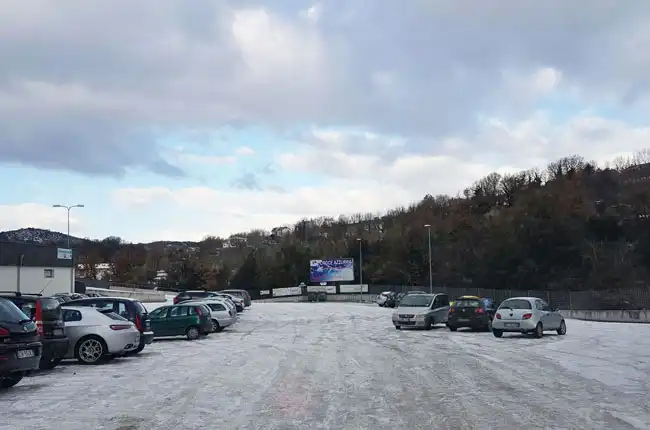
{"type": "Point", "coordinates": [527, 315]}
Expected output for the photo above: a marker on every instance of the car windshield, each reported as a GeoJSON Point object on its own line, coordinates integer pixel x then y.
{"type": "Point", "coordinates": [516, 304]}
{"type": "Point", "coordinates": [10, 312]}
{"type": "Point", "coordinates": [467, 303]}
{"type": "Point", "coordinates": [416, 301]}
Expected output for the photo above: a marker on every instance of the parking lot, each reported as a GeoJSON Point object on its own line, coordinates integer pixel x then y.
{"type": "Point", "coordinates": [344, 366]}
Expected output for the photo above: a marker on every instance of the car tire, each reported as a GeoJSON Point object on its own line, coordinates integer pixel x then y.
{"type": "Point", "coordinates": [192, 333]}
{"type": "Point", "coordinates": [539, 331]}
{"type": "Point", "coordinates": [49, 364]}
{"type": "Point", "coordinates": [427, 324]}
{"type": "Point", "coordinates": [452, 328]}
{"type": "Point", "coordinates": [562, 330]}
{"type": "Point", "coordinates": [216, 328]}
{"type": "Point", "coordinates": [91, 350]}
{"type": "Point", "coordinates": [497, 333]}
{"type": "Point", "coordinates": [11, 379]}
{"type": "Point", "coordinates": [488, 326]}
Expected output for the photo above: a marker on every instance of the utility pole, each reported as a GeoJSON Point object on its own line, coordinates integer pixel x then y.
{"type": "Point", "coordinates": [428, 227]}
{"type": "Point", "coordinates": [68, 208]}
{"type": "Point", "coordinates": [360, 269]}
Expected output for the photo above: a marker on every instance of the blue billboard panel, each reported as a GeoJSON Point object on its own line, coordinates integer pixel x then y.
{"type": "Point", "coordinates": [331, 270]}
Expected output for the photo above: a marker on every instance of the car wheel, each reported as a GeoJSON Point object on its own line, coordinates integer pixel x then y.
{"type": "Point", "coordinates": [488, 327]}
{"type": "Point", "coordinates": [11, 379]}
{"type": "Point", "coordinates": [216, 328]}
{"type": "Point", "coordinates": [452, 328]}
{"type": "Point", "coordinates": [497, 333]}
{"type": "Point", "coordinates": [427, 324]}
{"type": "Point", "coordinates": [562, 330]}
{"type": "Point", "coordinates": [539, 331]}
{"type": "Point", "coordinates": [49, 364]}
{"type": "Point", "coordinates": [91, 350]}
{"type": "Point", "coordinates": [192, 333]}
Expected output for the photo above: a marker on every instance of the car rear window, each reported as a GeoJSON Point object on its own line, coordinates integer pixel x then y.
{"type": "Point", "coordinates": [217, 307]}
{"type": "Point", "coordinates": [140, 308]}
{"type": "Point", "coordinates": [114, 316]}
{"type": "Point", "coordinates": [10, 312]}
{"type": "Point", "coordinates": [516, 304]}
{"type": "Point", "coordinates": [465, 303]}
{"type": "Point", "coordinates": [51, 309]}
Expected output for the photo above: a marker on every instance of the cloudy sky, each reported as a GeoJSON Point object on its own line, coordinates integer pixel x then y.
{"type": "Point", "coordinates": [177, 119]}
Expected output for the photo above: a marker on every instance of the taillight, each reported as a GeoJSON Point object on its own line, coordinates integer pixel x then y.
{"type": "Point", "coordinates": [175, 300]}
{"type": "Point", "coordinates": [4, 332]}
{"type": "Point", "coordinates": [480, 311]}
{"type": "Point", "coordinates": [451, 310]}
{"type": "Point", "coordinates": [498, 315]}
{"type": "Point", "coordinates": [138, 322]}
{"type": "Point", "coordinates": [120, 326]}
{"type": "Point", "coordinates": [39, 318]}
{"type": "Point", "coordinates": [527, 316]}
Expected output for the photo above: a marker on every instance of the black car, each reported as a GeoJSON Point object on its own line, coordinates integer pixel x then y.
{"type": "Point", "coordinates": [46, 313]}
{"type": "Point", "coordinates": [131, 309]}
{"type": "Point", "coordinates": [20, 347]}
{"type": "Point", "coordinates": [471, 311]}
{"type": "Point", "coordinates": [193, 295]}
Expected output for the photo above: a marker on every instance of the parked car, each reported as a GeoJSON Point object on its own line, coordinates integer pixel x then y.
{"type": "Point", "coordinates": [220, 314]}
{"type": "Point", "coordinates": [193, 295]}
{"type": "Point", "coordinates": [391, 301]}
{"type": "Point", "coordinates": [20, 346]}
{"type": "Point", "coordinates": [240, 293]}
{"type": "Point", "coordinates": [527, 315]}
{"type": "Point", "coordinates": [230, 304]}
{"type": "Point", "coordinates": [191, 321]}
{"type": "Point", "coordinates": [237, 301]}
{"type": "Point", "coordinates": [471, 311]}
{"type": "Point", "coordinates": [97, 335]}
{"type": "Point", "coordinates": [45, 312]}
{"type": "Point", "coordinates": [421, 311]}
{"type": "Point", "coordinates": [381, 298]}
{"type": "Point", "coordinates": [131, 309]}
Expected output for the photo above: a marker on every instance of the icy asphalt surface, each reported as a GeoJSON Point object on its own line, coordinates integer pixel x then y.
{"type": "Point", "coordinates": [344, 366]}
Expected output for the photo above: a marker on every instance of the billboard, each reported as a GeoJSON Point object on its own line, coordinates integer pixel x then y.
{"type": "Point", "coordinates": [64, 254]}
{"type": "Point", "coordinates": [331, 270]}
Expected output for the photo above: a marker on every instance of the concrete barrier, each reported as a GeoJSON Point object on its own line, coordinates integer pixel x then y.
{"type": "Point", "coordinates": [146, 296]}
{"type": "Point", "coordinates": [610, 316]}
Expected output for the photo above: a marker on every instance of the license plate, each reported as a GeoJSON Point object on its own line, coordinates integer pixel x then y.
{"type": "Point", "coordinates": [57, 332]}
{"type": "Point", "coordinates": [407, 322]}
{"type": "Point", "coordinates": [25, 353]}
{"type": "Point", "coordinates": [511, 324]}
{"type": "Point", "coordinates": [463, 320]}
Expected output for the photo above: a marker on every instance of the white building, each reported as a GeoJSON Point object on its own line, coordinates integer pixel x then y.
{"type": "Point", "coordinates": [31, 268]}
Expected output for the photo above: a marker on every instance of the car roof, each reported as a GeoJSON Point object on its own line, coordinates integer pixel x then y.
{"type": "Point", "coordinates": [88, 299]}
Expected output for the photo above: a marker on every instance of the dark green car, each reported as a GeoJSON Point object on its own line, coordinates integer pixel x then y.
{"type": "Point", "coordinates": [181, 320]}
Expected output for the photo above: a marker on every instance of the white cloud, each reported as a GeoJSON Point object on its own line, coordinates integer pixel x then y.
{"type": "Point", "coordinates": [13, 217]}
{"type": "Point", "coordinates": [244, 151]}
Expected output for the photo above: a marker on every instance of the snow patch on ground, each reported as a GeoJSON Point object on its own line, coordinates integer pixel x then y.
{"type": "Point", "coordinates": [344, 366]}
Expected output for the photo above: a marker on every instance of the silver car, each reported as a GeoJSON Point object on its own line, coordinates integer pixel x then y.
{"type": "Point", "coordinates": [97, 335]}
{"type": "Point", "coordinates": [220, 314]}
{"type": "Point", "coordinates": [421, 311]}
{"type": "Point", "coordinates": [527, 315]}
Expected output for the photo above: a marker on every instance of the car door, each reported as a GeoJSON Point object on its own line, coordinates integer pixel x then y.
{"type": "Point", "coordinates": [544, 314]}
{"type": "Point", "coordinates": [158, 318]}
{"type": "Point", "coordinates": [440, 308]}
{"type": "Point", "coordinates": [554, 318]}
{"type": "Point", "coordinates": [177, 320]}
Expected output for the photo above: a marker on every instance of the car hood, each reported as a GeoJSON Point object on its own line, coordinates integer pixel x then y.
{"type": "Point", "coordinates": [410, 310]}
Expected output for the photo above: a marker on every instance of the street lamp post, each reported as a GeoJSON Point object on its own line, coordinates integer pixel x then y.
{"type": "Point", "coordinates": [428, 227]}
{"type": "Point", "coordinates": [360, 270]}
{"type": "Point", "coordinates": [68, 208]}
